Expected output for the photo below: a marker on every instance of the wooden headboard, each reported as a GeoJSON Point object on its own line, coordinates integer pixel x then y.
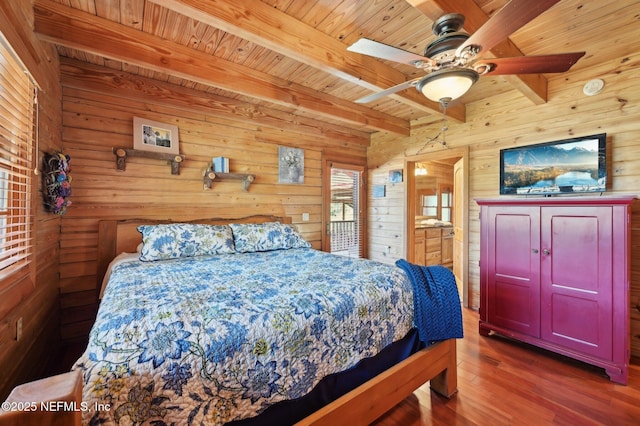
{"type": "Point", "coordinates": [117, 236]}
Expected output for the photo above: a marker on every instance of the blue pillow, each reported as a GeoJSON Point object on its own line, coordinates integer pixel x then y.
{"type": "Point", "coordinates": [293, 238]}
{"type": "Point", "coordinates": [252, 237]}
{"type": "Point", "coordinates": [175, 240]}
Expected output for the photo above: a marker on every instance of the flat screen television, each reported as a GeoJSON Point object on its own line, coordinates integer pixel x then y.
{"type": "Point", "coordinates": [576, 165]}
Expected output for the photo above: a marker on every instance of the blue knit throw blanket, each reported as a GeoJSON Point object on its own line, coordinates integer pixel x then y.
{"type": "Point", "coordinates": [438, 314]}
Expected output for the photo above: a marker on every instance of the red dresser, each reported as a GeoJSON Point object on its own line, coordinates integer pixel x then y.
{"type": "Point", "coordinates": [554, 272]}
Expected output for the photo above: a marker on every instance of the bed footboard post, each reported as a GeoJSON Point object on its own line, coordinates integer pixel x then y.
{"type": "Point", "coordinates": [446, 383]}
{"type": "Point", "coordinates": [52, 401]}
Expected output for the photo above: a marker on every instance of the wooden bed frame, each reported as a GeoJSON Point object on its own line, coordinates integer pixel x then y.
{"type": "Point", "coordinates": [436, 363]}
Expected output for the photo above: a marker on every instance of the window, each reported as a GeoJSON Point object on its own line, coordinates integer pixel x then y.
{"type": "Point", "coordinates": [344, 198]}
{"type": "Point", "coordinates": [446, 203]}
{"type": "Point", "coordinates": [429, 204]}
{"type": "Point", "coordinates": [17, 93]}
{"type": "Point", "coordinates": [341, 212]}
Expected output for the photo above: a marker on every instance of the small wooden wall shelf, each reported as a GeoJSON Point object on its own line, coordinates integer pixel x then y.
{"type": "Point", "coordinates": [209, 176]}
{"type": "Point", "coordinates": [122, 154]}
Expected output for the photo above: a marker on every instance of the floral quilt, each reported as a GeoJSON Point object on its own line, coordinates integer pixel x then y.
{"type": "Point", "coordinates": [210, 339]}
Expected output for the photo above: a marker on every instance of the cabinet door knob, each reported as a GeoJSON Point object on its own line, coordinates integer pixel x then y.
{"type": "Point", "coordinates": [545, 251]}
{"type": "Point", "coordinates": [534, 251]}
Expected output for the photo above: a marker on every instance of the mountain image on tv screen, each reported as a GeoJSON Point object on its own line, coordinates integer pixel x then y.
{"type": "Point", "coordinates": [556, 167]}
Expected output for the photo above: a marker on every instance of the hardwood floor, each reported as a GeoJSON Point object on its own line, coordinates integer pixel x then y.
{"type": "Point", "coordinates": [502, 382]}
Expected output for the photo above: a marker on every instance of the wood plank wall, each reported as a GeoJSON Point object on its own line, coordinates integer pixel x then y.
{"type": "Point", "coordinates": [98, 109]}
{"type": "Point", "coordinates": [510, 120]}
{"type": "Point", "coordinates": [29, 358]}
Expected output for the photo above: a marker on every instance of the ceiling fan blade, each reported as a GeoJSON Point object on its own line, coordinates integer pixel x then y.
{"type": "Point", "coordinates": [389, 91]}
{"type": "Point", "coordinates": [513, 16]}
{"type": "Point", "coordinates": [531, 64]}
{"type": "Point", "coordinates": [384, 51]}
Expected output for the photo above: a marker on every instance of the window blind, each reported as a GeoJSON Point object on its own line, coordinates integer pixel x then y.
{"type": "Point", "coordinates": [17, 102]}
{"type": "Point", "coordinates": [346, 223]}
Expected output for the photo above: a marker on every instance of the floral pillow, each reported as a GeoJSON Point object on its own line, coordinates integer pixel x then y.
{"type": "Point", "coordinates": [293, 238]}
{"type": "Point", "coordinates": [250, 237]}
{"type": "Point", "coordinates": [171, 241]}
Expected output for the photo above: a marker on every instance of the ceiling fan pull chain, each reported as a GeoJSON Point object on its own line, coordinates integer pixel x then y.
{"type": "Point", "coordinates": [444, 102]}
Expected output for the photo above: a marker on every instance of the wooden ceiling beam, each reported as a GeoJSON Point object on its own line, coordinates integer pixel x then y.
{"type": "Point", "coordinates": [72, 28]}
{"type": "Point", "coordinates": [95, 78]}
{"type": "Point", "coordinates": [273, 29]}
{"type": "Point", "coordinates": [533, 86]}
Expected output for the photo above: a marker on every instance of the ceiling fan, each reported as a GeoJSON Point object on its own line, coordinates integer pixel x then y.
{"type": "Point", "coordinates": [450, 61]}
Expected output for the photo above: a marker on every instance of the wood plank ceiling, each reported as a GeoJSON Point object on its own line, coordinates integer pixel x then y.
{"type": "Point", "coordinates": [290, 55]}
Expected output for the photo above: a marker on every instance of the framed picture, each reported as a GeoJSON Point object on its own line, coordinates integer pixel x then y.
{"type": "Point", "coordinates": [153, 136]}
{"type": "Point", "coordinates": [379, 191]}
{"type": "Point", "coordinates": [395, 176]}
{"type": "Point", "coordinates": [290, 165]}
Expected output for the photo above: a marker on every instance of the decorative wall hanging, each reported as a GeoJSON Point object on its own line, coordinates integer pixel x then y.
{"type": "Point", "coordinates": [153, 136]}
{"type": "Point", "coordinates": [395, 176]}
{"type": "Point", "coordinates": [290, 165]}
{"type": "Point", "coordinates": [56, 182]}
{"type": "Point", "coordinates": [379, 191]}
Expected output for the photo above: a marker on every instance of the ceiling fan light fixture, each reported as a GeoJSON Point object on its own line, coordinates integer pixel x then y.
{"type": "Point", "coordinates": [447, 83]}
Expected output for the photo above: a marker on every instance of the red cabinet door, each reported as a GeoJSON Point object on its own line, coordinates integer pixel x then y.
{"type": "Point", "coordinates": [576, 266]}
{"type": "Point", "coordinates": [511, 242]}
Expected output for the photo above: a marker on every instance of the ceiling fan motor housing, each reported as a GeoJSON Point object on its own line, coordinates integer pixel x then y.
{"type": "Point", "coordinates": [449, 23]}
{"type": "Point", "coordinates": [447, 28]}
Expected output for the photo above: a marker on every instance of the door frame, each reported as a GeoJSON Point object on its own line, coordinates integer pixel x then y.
{"type": "Point", "coordinates": [343, 162]}
{"type": "Point", "coordinates": [410, 206]}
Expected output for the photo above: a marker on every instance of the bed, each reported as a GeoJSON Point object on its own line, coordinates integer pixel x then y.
{"type": "Point", "coordinates": [258, 329]}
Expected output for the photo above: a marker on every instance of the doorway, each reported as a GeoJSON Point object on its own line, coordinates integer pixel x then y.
{"type": "Point", "coordinates": [458, 161]}
{"type": "Point", "coordinates": [344, 206]}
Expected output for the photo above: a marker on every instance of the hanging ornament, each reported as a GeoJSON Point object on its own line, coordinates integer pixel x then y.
{"type": "Point", "coordinates": [56, 182]}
